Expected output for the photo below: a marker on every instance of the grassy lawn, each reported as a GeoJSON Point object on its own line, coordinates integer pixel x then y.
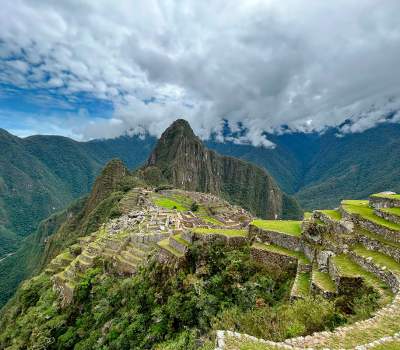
{"type": "Point", "coordinates": [395, 211]}
{"type": "Point", "coordinates": [348, 268]}
{"type": "Point", "coordinates": [303, 284]}
{"type": "Point", "coordinates": [274, 248]}
{"type": "Point", "coordinates": [334, 214]}
{"type": "Point", "coordinates": [307, 215]}
{"type": "Point", "coordinates": [394, 196]}
{"type": "Point", "coordinates": [290, 227]}
{"type": "Point", "coordinates": [180, 240]}
{"type": "Point", "coordinates": [223, 232]}
{"type": "Point", "coordinates": [366, 233]}
{"type": "Point", "coordinates": [323, 280]}
{"type": "Point", "coordinates": [378, 258]}
{"type": "Point", "coordinates": [65, 255]}
{"type": "Point", "coordinates": [165, 244]}
{"type": "Point", "coordinates": [169, 204]}
{"type": "Point", "coordinates": [213, 221]}
{"type": "Point", "coordinates": [361, 208]}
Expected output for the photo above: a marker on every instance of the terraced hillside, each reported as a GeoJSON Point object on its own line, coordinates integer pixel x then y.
{"type": "Point", "coordinates": [334, 252]}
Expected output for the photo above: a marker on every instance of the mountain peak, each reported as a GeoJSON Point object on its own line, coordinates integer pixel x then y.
{"type": "Point", "coordinates": [179, 128]}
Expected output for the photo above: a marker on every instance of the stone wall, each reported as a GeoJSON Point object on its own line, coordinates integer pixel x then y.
{"type": "Point", "coordinates": [378, 246]}
{"type": "Point", "coordinates": [279, 238]}
{"type": "Point", "coordinates": [316, 290]}
{"type": "Point", "coordinates": [383, 202]}
{"type": "Point", "coordinates": [267, 257]}
{"type": "Point", "coordinates": [387, 216]}
{"type": "Point", "coordinates": [342, 227]}
{"type": "Point", "coordinates": [151, 238]}
{"type": "Point", "coordinates": [385, 232]}
{"type": "Point", "coordinates": [178, 246]}
{"type": "Point", "coordinates": [381, 272]}
{"type": "Point", "coordinates": [343, 284]}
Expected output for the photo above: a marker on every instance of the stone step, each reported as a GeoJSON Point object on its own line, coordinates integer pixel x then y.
{"type": "Point", "coordinates": [390, 214]}
{"type": "Point", "coordinates": [331, 244]}
{"type": "Point", "coordinates": [380, 265]}
{"type": "Point", "coordinates": [124, 266]}
{"type": "Point", "coordinates": [361, 214]}
{"type": "Point", "coordinates": [136, 251]}
{"type": "Point", "coordinates": [322, 284]}
{"type": "Point", "coordinates": [49, 271]}
{"type": "Point", "coordinates": [142, 246]}
{"type": "Point", "coordinates": [378, 243]}
{"type": "Point", "coordinates": [81, 264]}
{"type": "Point", "coordinates": [111, 244]}
{"type": "Point", "coordinates": [88, 257]}
{"type": "Point", "coordinates": [64, 258]}
{"type": "Point", "coordinates": [164, 248]}
{"type": "Point", "coordinates": [94, 248]}
{"type": "Point", "coordinates": [348, 276]}
{"type": "Point", "coordinates": [77, 277]}
{"type": "Point", "coordinates": [278, 256]}
{"type": "Point", "coordinates": [179, 244]}
{"type": "Point", "coordinates": [110, 251]}
{"type": "Point", "coordinates": [130, 257]}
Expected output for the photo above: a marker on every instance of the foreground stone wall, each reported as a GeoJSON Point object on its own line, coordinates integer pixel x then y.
{"type": "Point", "coordinates": [384, 202]}
{"type": "Point", "coordinates": [266, 257]}
{"type": "Point", "coordinates": [232, 241]}
{"type": "Point", "coordinates": [387, 216]}
{"type": "Point", "coordinates": [275, 237]}
{"type": "Point", "coordinates": [385, 232]}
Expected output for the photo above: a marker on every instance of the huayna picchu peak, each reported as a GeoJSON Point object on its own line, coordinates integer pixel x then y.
{"type": "Point", "coordinates": [186, 163]}
{"type": "Point", "coordinates": [189, 252]}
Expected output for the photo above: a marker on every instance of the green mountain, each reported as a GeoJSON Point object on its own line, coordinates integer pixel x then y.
{"type": "Point", "coordinates": [41, 175]}
{"type": "Point", "coordinates": [186, 163]}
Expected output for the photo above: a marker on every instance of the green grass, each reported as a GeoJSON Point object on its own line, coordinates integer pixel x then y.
{"type": "Point", "coordinates": [222, 231]}
{"type": "Point", "coordinates": [65, 255]}
{"type": "Point", "coordinates": [165, 244]}
{"type": "Point", "coordinates": [334, 214]}
{"type": "Point", "coordinates": [213, 221]}
{"type": "Point", "coordinates": [324, 280]}
{"type": "Point", "coordinates": [290, 227]}
{"type": "Point", "coordinates": [274, 248]}
{"type": "Point", "coordinates": [366, 233]}
{"type": "Point", "coordinates": [378, 258]}
{"type": "Point", "coordinates": [303, 284]}
{"type": "Point", "coordinates": [348, 268]}
{"type": "Point", "coordinates": [180, 240]}
{"type": "Point", "coordinates": [394, 196]}
{"type": "Point", "coordinates": [307, 215]}
{"type": "Point", "coordinates": [169, 204]}
{"type": "Point", "coordinates": [395, 211]}
{"type": "Point", "coordinates": [361, 208]}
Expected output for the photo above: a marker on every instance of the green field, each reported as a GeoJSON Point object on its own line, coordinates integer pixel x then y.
{"type": "Point", "coordinates": [394, 196]}
{"type": "Point", "coordinates": [169, 204]}
{"type": "Point", "coordinates": [334, 214]}
{"type": "Point", "coordinates": [276, 249]}
{"type": "Point", "coordinates": [290, 227]}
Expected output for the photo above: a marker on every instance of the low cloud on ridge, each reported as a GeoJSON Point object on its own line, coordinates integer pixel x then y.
{"type": "Point", "coordinates": [306, 65]}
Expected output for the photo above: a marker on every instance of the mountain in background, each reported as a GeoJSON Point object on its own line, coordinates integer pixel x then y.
{"type": "Point", "coordinates": [41, 175]}
{"type": "Point", "coordinates": [186, 163]}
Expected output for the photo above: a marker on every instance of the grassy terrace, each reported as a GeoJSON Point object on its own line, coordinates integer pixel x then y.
{"type": "Point", "coordinates": [274, 248]}
{"type": "Point", "coordinates": [334, 214]}
{"type": "Point", "coordinates": [223, 232]}
{"type": "Point", "coordinates": [378, 258]}
{"type": "Point", "coordinates": [65, 255]}
{"type": "Point", "coordinates": [180, 240]}
{"type": "Point", "coordinates": [323, 280]}
{"type": "Point", "coordinates": [366, 233]}
{"type": "Point", "coordinates": [348, 268]}
{"type": "Point", "coordinates": [165, 244]}
{"type": "Point", "coordinates": [394, 196]}
{"type": "Point", "coordinates": [303, 284]}
{"type": "Point", "coordinates": [307, 215]}
{"type": "Point", "coordinates": [169, 204]}
{"type": "Point", "coordinates": [289, 227]}
{"type": "Point", "coordinates": [361, 208]}
{"type": "Point", "coordinates": [395, 211]}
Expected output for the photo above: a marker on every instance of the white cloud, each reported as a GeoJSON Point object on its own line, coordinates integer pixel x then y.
{"type": "Point", "coordinates": [308, 65]}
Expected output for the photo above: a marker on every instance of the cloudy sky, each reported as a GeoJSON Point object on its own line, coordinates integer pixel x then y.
{"type": "Point", "coordinates": [99, 68]}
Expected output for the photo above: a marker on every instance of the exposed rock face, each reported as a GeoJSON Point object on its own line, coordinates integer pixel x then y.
{"type": "Point", "coordinates": [186, 163]}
